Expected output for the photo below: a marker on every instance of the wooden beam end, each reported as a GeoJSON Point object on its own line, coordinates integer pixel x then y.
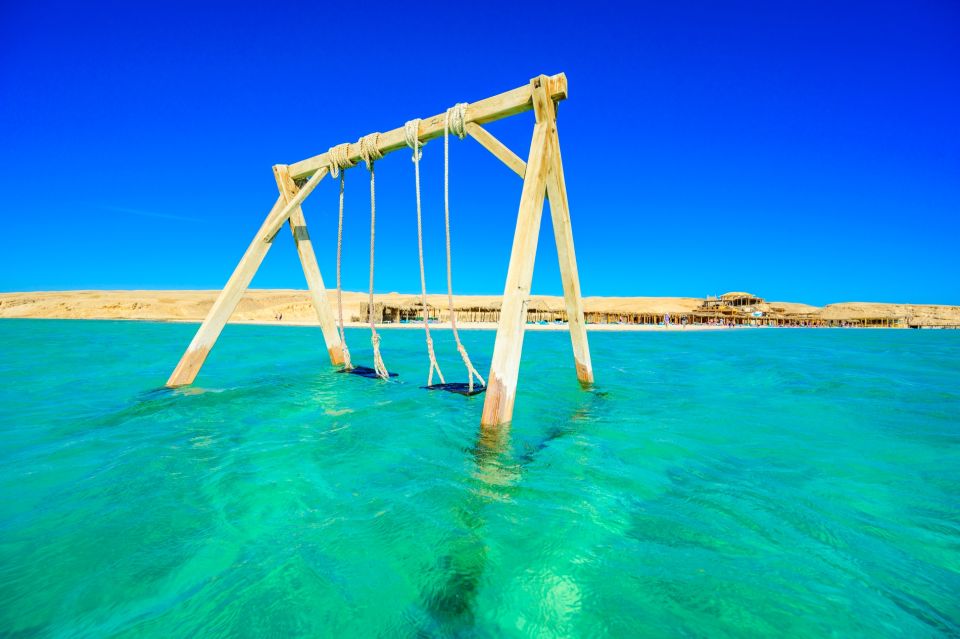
{"type": "Point", "coordinates": [558, 87]}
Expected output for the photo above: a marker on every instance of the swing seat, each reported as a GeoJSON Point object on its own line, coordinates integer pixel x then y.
{"type": "Point", "coordinates": [365, 371]}
{"type": "Point", "coordinates": [460, 388]}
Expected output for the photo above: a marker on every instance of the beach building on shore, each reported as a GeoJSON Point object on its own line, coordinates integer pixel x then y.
{"type": "Point", "coordinates": [736, 308]}
{"type": "Point", "coordinates": [411, 310]}
{"type": "Point", "coordinates": [739, 308]}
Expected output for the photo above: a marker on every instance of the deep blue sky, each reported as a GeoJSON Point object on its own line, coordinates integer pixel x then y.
{"type": "Point", "coordinates": [803, 151]}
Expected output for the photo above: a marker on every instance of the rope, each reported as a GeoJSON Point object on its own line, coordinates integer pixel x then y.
{"type": "Point", "coordinates": [454, 120]}
{"type": "Point", "coordinates": [370, 152]}
{"type": "Point", "coordinates": [410, 132]}
{"type": "Point", "coordinates": [339, 162]}
{"type": "Point", "coordinates": [370, 149]}
{"type": "Point", "coordinates": [338, 158]}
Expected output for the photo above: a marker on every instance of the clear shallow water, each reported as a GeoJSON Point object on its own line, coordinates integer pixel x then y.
{"type": "Point", "coordinates": [801, 483]}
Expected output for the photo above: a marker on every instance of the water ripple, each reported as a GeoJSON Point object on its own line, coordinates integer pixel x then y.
{"type": "Point", "coordinates": [741, 484]}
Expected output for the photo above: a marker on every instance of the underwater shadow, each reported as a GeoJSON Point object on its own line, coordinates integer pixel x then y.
{"type": "Point", "coordinates": [449, 601]}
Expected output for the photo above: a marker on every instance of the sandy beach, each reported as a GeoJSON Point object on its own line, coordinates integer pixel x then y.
{"type": "Point", "coordinates": [294, 308]}
{"type": "Point", "coordinates": [288, 308]}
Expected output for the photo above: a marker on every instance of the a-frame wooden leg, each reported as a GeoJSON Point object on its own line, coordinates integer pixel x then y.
{"type": "Point", "coordinates": [505, 366]}
{"type": "Point", "coordinates": [563, 233]}
{"type": "Point", "coordinates": [543, 176]}
{"type": "Point", "coordinates": [308, 259]}
{"type": "Point", "coordinates": [189, 365]}
{"type": "Point", "coordinates": [227, 301]}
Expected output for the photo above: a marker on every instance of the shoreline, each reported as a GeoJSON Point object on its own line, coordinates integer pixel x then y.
{"type": "Point", "coordinates": [481, 326]}
{"type": "Point", "coordinates": [468, 326]}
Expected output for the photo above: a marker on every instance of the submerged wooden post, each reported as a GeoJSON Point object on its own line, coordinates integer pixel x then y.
{"type": "Point", "coordinates": [311, 270]}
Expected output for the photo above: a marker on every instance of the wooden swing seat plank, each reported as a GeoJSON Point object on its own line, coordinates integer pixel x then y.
{"type": "Point", "coordinates": [365, 371]}
{"type": "Point", "coordinates": [460, 388]}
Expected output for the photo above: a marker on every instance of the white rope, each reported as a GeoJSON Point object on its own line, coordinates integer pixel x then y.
{"type": "Point", "coordinates": [339, 162]}
{"type": "Point", "coordinates": [370, 152]}
{"type": "Point", "coordinates": [411, 132]}
{"type": "Point", "coordinates": [454, 120]}
{"type": "Point", "coordinates": [338, 158]}
{"type": "Point", "coordinates": [370, 149]}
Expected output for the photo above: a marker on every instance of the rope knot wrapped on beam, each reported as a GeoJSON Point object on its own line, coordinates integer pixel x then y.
{"type": "Point", "coordinates": [370, 149]}
{"type": "Point", "coordinates": [411, 134]}
{"type": "Point", "coordinates": [339, 156]}
{"type": "Point", "coordinates": [456, 119]}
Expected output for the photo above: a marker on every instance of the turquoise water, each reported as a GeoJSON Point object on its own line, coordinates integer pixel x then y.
{"type": "Point", "coordinates": [751, 483]}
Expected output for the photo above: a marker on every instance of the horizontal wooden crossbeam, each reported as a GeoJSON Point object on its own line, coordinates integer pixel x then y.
{"type": "Point", "coordinates": [488, 110]}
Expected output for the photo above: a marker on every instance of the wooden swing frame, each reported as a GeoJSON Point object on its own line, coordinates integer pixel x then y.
{"type": "Point", "coordinates": [542, 175]}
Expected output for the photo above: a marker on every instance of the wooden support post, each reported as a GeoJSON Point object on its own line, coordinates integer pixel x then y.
{"type": "Point", "coordinates": [563, 233]}
{"type": "Point", "coordinates": [311, 270]}
{"type": "Point", "coordinates": [505, 366]}
{"type": "Point", "coordinates": [196, 353]}
{"type": "Point", "coordinates": [543, 173]}
{"type": "Point", "coordinates": [227, 301]}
